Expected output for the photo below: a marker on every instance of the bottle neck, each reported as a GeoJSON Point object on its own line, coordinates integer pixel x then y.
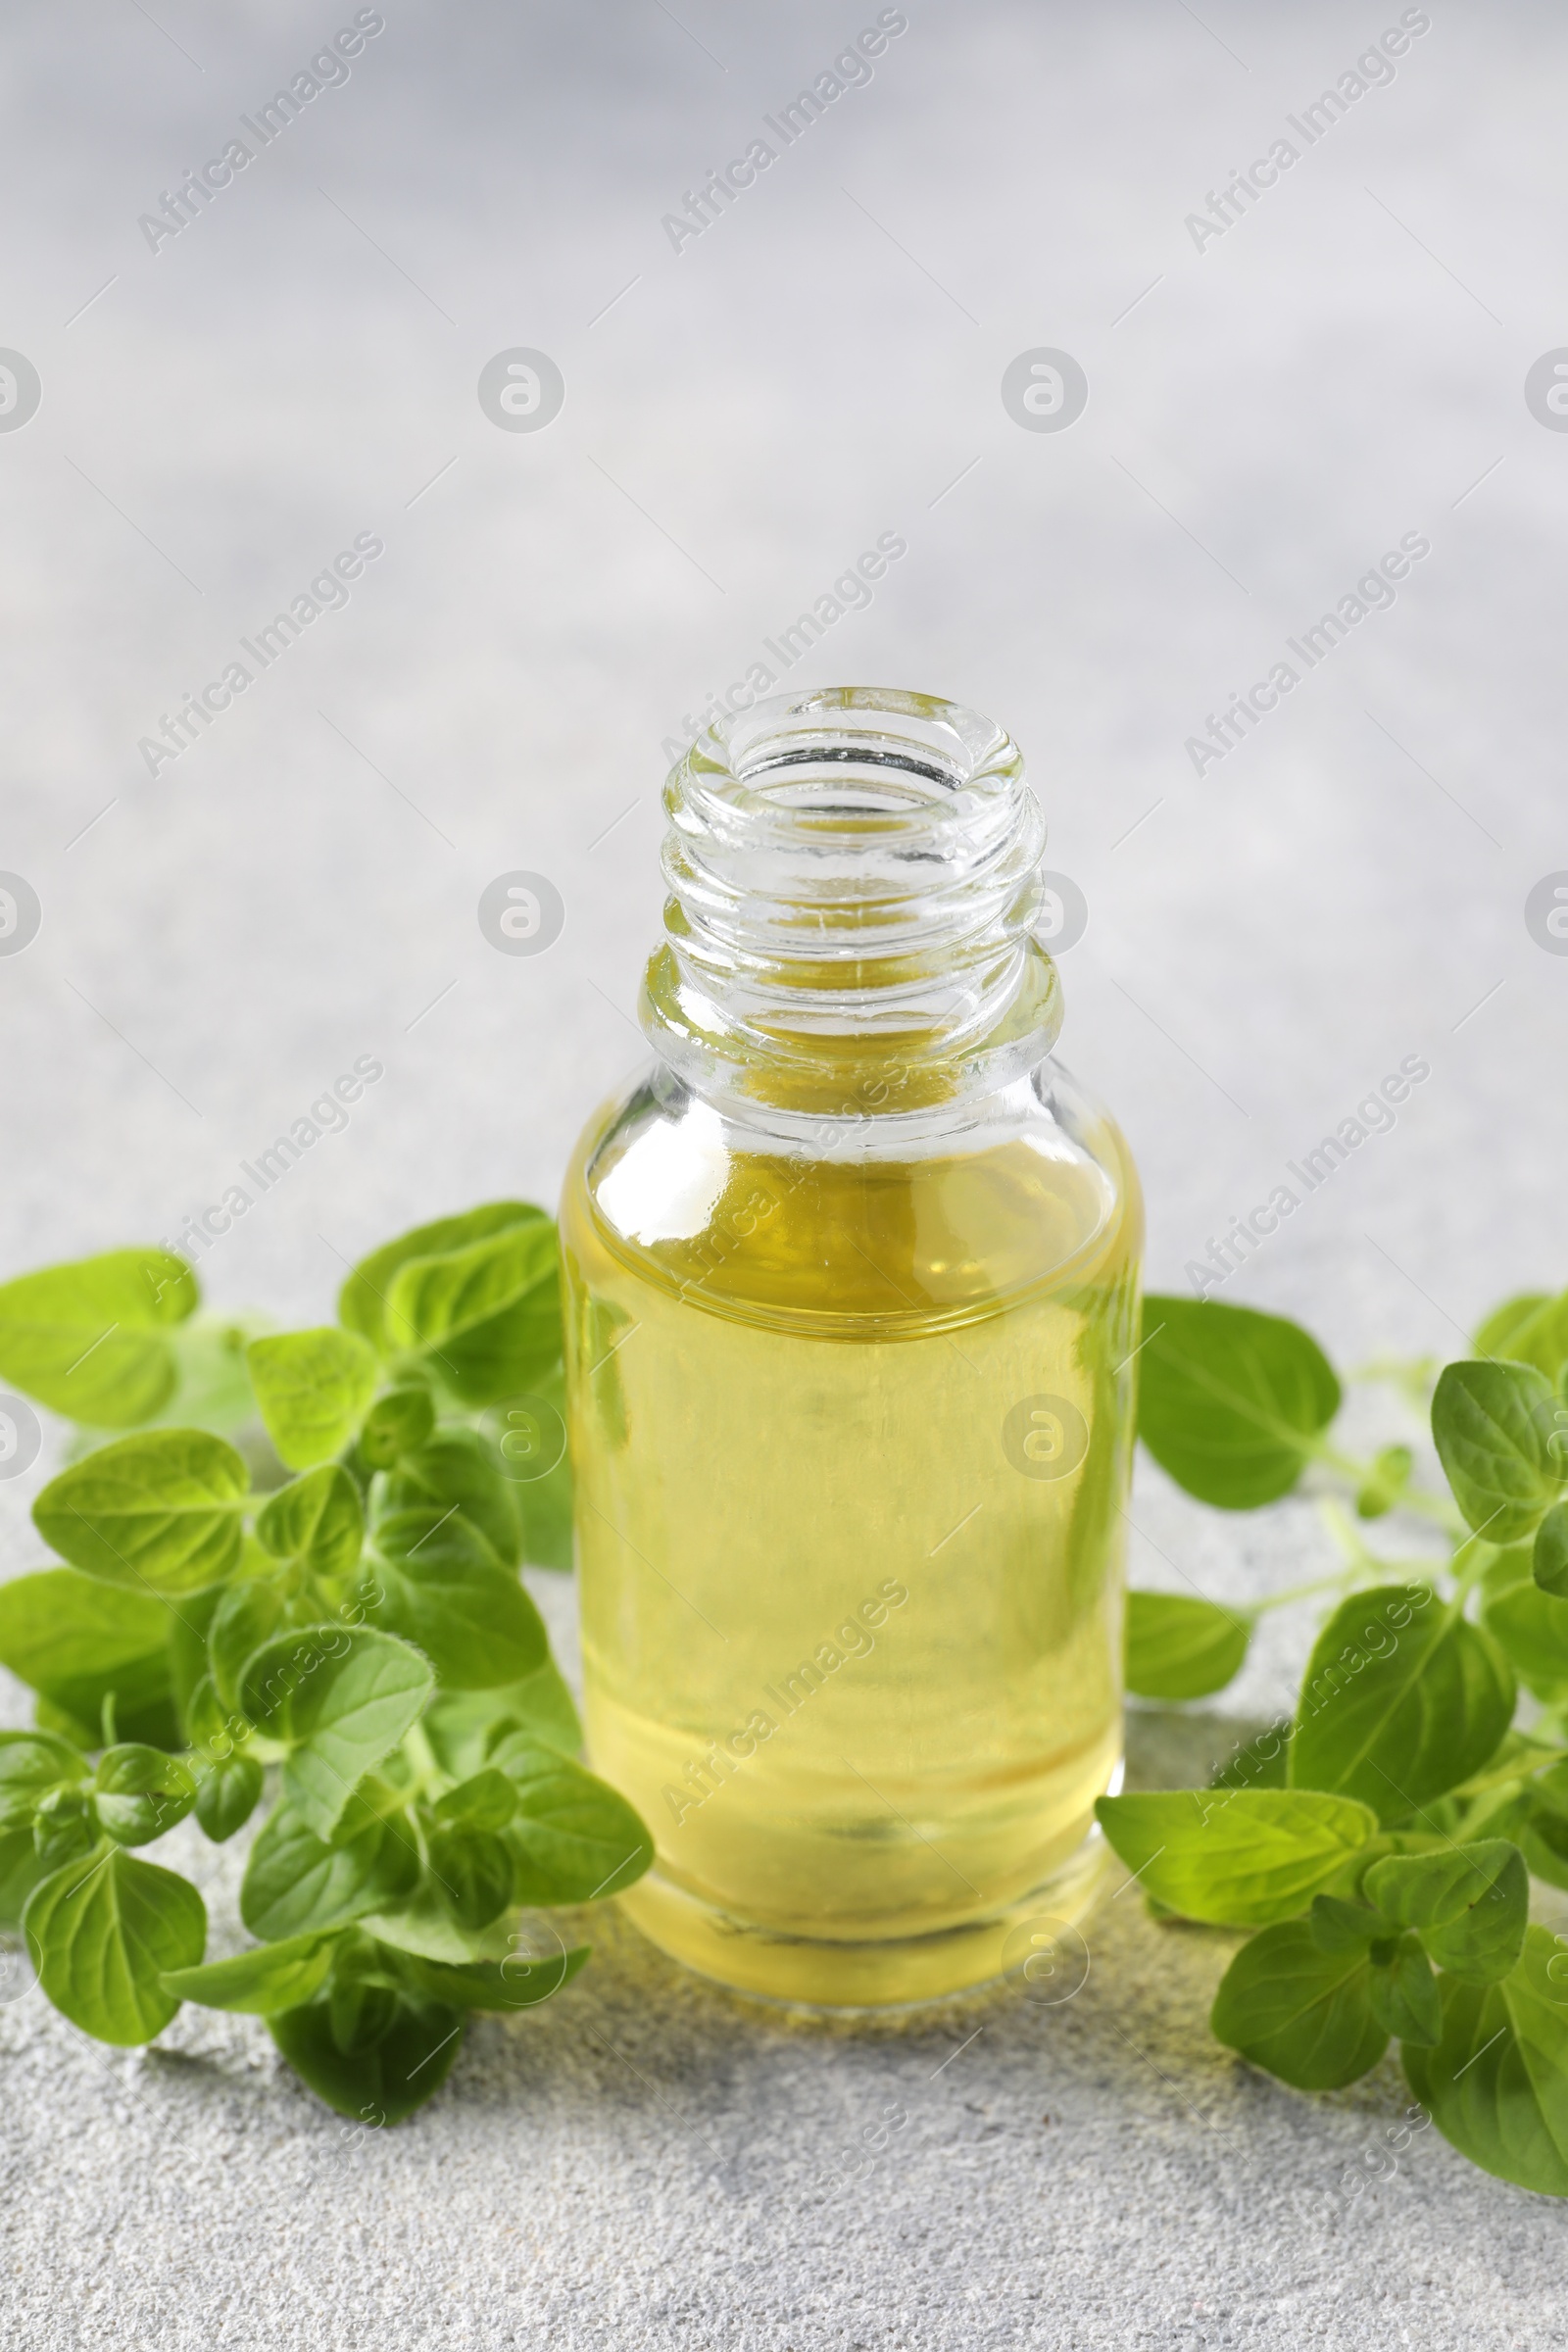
{"type": "Point", "coordinates": [853, 887]}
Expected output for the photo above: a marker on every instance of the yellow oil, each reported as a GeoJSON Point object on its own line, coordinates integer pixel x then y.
{"type": "Point", "coordinates": [851, 1603]}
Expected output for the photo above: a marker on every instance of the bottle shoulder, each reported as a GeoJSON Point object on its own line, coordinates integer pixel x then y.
{"type": "Point", "coordinates": [881, 1222]}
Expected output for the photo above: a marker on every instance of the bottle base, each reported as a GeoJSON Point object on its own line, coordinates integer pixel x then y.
{"type": "Point", "coordinates": [1035, 1936]}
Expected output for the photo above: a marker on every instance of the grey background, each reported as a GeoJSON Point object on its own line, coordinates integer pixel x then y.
{"type": "Point", "coordinates": [640, 2164]}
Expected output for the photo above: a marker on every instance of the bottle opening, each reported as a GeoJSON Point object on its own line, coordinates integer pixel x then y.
{"type": "Point", "coordinates": [854, 880]}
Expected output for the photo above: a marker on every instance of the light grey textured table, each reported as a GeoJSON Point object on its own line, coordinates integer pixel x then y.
{"type": "Point", "coordinates": [647, 2163]}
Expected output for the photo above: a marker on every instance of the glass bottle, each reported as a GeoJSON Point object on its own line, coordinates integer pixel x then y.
{"type": "Point", "coordinates": [852, 1282]}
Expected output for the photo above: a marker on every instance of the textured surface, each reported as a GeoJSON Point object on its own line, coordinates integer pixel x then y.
{"type": "Point", "coordinates": [647, 2163]}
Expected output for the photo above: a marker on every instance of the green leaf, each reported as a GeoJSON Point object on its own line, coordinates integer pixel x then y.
{"type": "Point", "coordinates": [1389, 1477]}
{"type": "Point", "coordinates": [103, 1932]}
{"type": "Point", "coordinates": [1338, 1925]}
{"type": "Point", "coordinates": [158, 1513]}
{"type": "Point", "coordinates": [1230, 1400]}
{"type": "Point", "coordinates": [1303, 2014]}
{"type": "Point", "coordinates": [1530, 1625]}
{"type": "Point", "coordinates": [527, 1430]}
{"type": "Point", "coordinates": [1549, 1558]}
{"type": "Point", "coordinates": [457, 1470]}
{"type": "Point", "coordinates": [1240, 1860]}
{"type": "Point", "coordinates": [188, 1621]}
{"type": "Point", "coordinates": [227, 1796]}
{"type": "Point", "coordinates": [573, 1837]}
{"type": "Point", "coordinates": [437, 1583]}
{"type": "Point", "coordinates": [517, 1982]}
{"type": "Point", "coordinates": [30, 1764]}
{"type": "Point", "coordinates": [489, 1314]}
{"type": "Point", "coordinates": [363, 1303]}
{"type": "Point", "coordinates": [140, 1792]}
{"type": "Point", "coordinates": [477, 1295]}
{"type": "Point", "coordinates": [22, 1866]}
{"type": "Point", "coordinates": [341, 1702]}
{"type": "Point", "coordinates": [381, 2085]}
{"type": "Point", "coordinates": [1529, 1329]}
{"type": "Point", "coordinates": [462, 1726]}
{"type": "Point", "coordinates": [1496, 1434]}
{"type": "Point", "coordinates": [64, 1828]}
{"type": "Point", "coordinates": [271, 1977]}
{"type": "Point", "coordinates": [315, 1520]}
{"type": "Point", "coordinates": [1182, 1648]}
{"type": "Point", "coordinates": [1543, 1839]}
{"type": "Point", "coordinates": [1497, 2086]}
{"type": "Point", "coordinates": [487, 1800]}
{"type": "Point", "coordinates": [314, 1389]}
{"type": "Point", "coordinates": [475, 1870]}
{"type": "Point", "coordinates": [1469, 1903]}
{"type": "Point", "coordinates": [251, 1611]}
{"type": "Point", "coordinates": [1403, 1698]}
{"type": "Point", "coordinates": [90, 1340]}
{"type": "Point", "coordinates": [1404, 1992]}
{"type": "Point", "coordinates": [78, 1639]}
{"type": "Point", "coordinates": [397, 1424]}
{"type": "Point", "coordinates": [296, 1884]}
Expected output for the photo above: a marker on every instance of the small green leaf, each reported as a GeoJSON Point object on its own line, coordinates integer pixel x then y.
{"type": "Point", "coordinates": [250, 1611]}
{"type": "Point", "coordinates": [1498, 1438]}
{"type": "Point", "coordinates": [1303, 2014]}
{"type": "Point", "coordinates": [296, 1884]}
{"type": "Point", "coordinates": [573, 1837]}
{"type": "Point", "coordinates": [456, 1471]}
{"type": "Point", "coordinates": [271, 1977]}
{"type": "Point", "coordinates": [362, 1302]}
{"type": "Point", "coordinates": [30, 1764]}
{"type": "Point", "coordinates": [1390, 1476]}
{"type": "Point", "coordinates": [397, 1424]}
{"type": "Point", "coordinates": [485, 1801]}
{"type": "Point", "coordinates": [103, 1932]}
{"type": "Point", "coordinates": [437, 1583]}
{"type": "Point", "coordinates": [1529, 1329]}
{"type": "Point", "coordinates": [1530, 1625]}
{"type": "Point", "coordinates": [64, 1828]}
{"type": "Point", "coordinates": [90, 1340]}
{"type": "Point", "coordinates": [76, 1639]}
{"type": "Point", "coordinates": [1182, 1648]}
{"type": "Point", "coordinates": [1543, 1839]}
{"type": "Point", "coordinates": [1497, 2086]}
{"type": "Point", "coordinates": [1236, 1860]}
{"type": "Point", "coordinates": [22, 1866]}
{"type": "Point", "coordinates": [1404, 1992]}
{"type": "Point", "coordinates": [315, 1520]}
{"type": "Point", "coordinates": [1230, 1400]}
{"type": "Point", "coordinates": [517, 1982]}
{"type": "Point", "coordinates": [474, 1869]}
{"type": "Point", "coordinates": [1469, 1903]}
{"type": "Point", "coordinates": [138, 1793]}
{"type": "Point", "coordinates": [522, 1425]}
{"type": "Point", "coordinates": [341, 1702]}
{"type": "Point", "coordinates": [1338, 1925]}
{"type": "Point", "coordinates": [160, 1513]}
{"type": "Point", "coordinates": [381, 2085]}
{"type": "Point", "coordinates": [1550, 1559]}
{"type": "Point", "coordinates": [487, 1316]}
{"type": "Point", "coordinates": [227, 1796]}
{"type": "Point", "coordinates": [314, 1389]}
{"type": "Point", "coordinates": [1402, 1700]}
{"type": "Point", "coordinates": [462, 1726]}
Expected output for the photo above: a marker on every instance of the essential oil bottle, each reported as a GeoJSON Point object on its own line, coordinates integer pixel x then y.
{"type": "Point", "coordinates": [852, 1282]}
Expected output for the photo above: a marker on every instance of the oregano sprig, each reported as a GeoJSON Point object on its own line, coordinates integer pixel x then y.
{"type": "Point", "coordinates": [308, 1591]}
{"type": "Point", "coordinates": [1382, 1842]}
